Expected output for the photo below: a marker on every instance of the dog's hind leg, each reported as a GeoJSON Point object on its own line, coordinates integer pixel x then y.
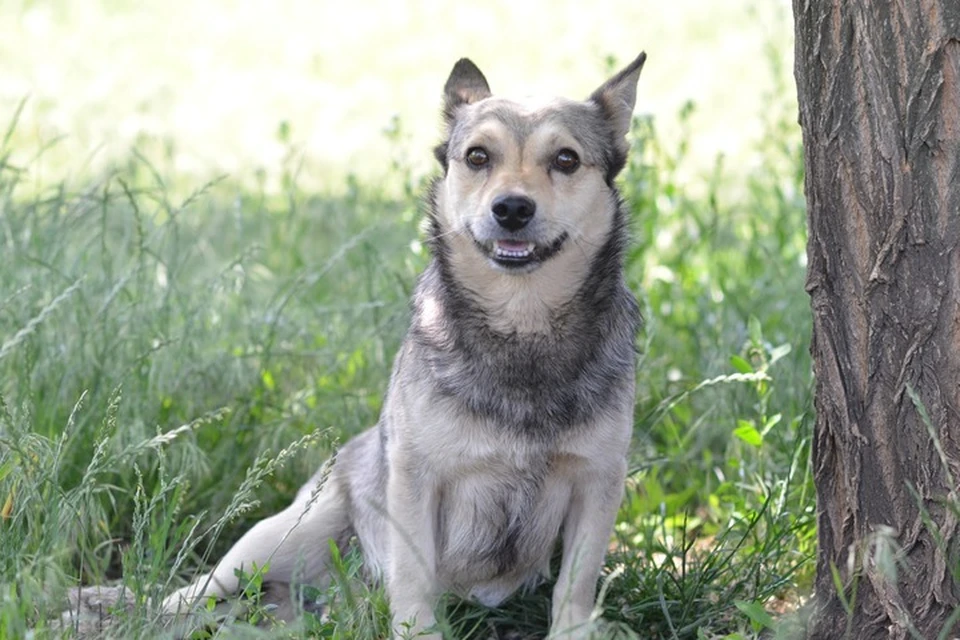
{"type": "Point", "coordinates": [294, 544]}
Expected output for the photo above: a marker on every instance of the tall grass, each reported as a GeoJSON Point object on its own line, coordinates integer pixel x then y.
{"type": "Point", "coordinates": [173, 364]}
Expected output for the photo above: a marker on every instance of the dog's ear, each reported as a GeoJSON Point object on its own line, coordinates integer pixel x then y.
{"type": "Point", "coordinates": [618, 95]}
{"type": "Point", "coordinates": [464, 86]}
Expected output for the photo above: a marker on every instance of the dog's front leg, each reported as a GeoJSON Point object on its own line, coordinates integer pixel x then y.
{"type": "Point", "coordinates": [411, 570]}
{"type": "Point", "coordinates": [586, 532]}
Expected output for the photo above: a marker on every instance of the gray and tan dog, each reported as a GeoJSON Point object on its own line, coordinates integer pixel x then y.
{"type": "Point", "coordinates": [510, 407]}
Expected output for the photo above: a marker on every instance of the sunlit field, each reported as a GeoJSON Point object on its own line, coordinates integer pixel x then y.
{"type": "Point", "coordinates": [209, 229]}
{"type": "Point", "coordinates": [239, 87]}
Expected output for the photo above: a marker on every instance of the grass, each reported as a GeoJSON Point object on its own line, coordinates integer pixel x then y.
{"type": "Point", "coordinates": [177, 356]}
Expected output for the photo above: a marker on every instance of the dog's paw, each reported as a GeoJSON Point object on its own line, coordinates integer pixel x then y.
{"type": "Point", "coordinates": [579, 633]}
{"type": "Point", "coordinates": [181, 601]}
{"type": "Point", "coordinates": [585, 630]}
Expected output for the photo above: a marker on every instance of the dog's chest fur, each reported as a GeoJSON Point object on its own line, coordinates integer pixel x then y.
{"type": "Point", "coordinates": [500, 498]}
{"type": "Point", "coordinates": [537, 384]}
{"type": "Point", "coordinates": [498, 519]}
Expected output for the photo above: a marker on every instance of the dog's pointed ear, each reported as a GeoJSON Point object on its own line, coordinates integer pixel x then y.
{"type": "Point", "coordinates": [618, 95]}
{"type": "Point", "coordinates": [465, 85]}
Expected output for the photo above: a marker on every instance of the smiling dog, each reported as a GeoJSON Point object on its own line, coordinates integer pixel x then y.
{"type": "Point", "coordinates": [510, 408]}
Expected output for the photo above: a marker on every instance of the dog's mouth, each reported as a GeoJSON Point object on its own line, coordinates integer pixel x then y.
{"type": "Point", "coordinates": [516, 254]}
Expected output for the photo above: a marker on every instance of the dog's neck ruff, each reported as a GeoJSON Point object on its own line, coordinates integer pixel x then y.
{"type": "Point", "coordinates": [534, 384]}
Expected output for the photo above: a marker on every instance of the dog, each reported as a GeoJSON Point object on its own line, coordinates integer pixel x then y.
{"type": "Point", "coordinates": [509, 411]}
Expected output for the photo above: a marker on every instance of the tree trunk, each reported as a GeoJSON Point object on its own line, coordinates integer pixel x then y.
{"type": "Point", "coordinates": [879, 91]}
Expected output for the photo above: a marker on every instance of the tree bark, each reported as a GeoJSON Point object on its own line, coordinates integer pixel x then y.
{"type": "Point", "coordinates": [879, 91]}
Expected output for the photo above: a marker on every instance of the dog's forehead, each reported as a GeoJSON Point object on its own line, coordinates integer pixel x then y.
{"type": "Point", "coordinates": [522, 117]}
{"type": "Point", "coordinates": [529, 106]}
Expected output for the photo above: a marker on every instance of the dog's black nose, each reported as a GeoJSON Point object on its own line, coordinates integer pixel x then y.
{"type": "Point", "coordinates": [513, 212]}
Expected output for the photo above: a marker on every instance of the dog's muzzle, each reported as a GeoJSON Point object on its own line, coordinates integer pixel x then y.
{"type": "Point", "coordinates": [511, 238]}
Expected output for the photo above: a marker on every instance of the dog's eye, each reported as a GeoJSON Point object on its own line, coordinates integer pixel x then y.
{"type": "Point", "coordinates": [477, 157]}
{"type": "Point", "coordinates": [566, 161]}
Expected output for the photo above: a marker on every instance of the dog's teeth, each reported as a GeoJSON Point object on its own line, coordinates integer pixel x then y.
{"type": "Point", "coordinates": [507, 249]}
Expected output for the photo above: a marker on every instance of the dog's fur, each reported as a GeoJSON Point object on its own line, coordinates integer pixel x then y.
{"type": "Point", "coordinates": [510, 407]}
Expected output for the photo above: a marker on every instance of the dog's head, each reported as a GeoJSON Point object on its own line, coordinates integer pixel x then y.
{"type": "Point", "coordinates": [528, 181]}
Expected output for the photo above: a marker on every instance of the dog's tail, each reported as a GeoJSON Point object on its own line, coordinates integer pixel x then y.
{"type": "Point", "coordinates": [291, 546]}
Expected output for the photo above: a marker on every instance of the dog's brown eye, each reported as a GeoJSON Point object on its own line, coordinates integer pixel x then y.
{"type": "Point", "coordinates": [567, 160]}
{"type": "Point", "coordinates": [477, 157]}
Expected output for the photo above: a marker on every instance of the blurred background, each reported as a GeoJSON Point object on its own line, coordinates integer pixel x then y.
{"type": "Point", "coordinates": [232, 86]}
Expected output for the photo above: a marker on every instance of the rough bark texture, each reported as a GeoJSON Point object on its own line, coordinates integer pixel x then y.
{"type": "Point", "coordinates": [879, 90]}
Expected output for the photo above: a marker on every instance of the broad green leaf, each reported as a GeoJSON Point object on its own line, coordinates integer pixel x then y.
{"type": "Point", "coordinates": [747, 432]}
{"type": "Point", "coordinates": [740, 364]}
{"type": "Point", "coordinates": [268, 382]}
{"type": "Point", "coordinates": [757, 614]}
